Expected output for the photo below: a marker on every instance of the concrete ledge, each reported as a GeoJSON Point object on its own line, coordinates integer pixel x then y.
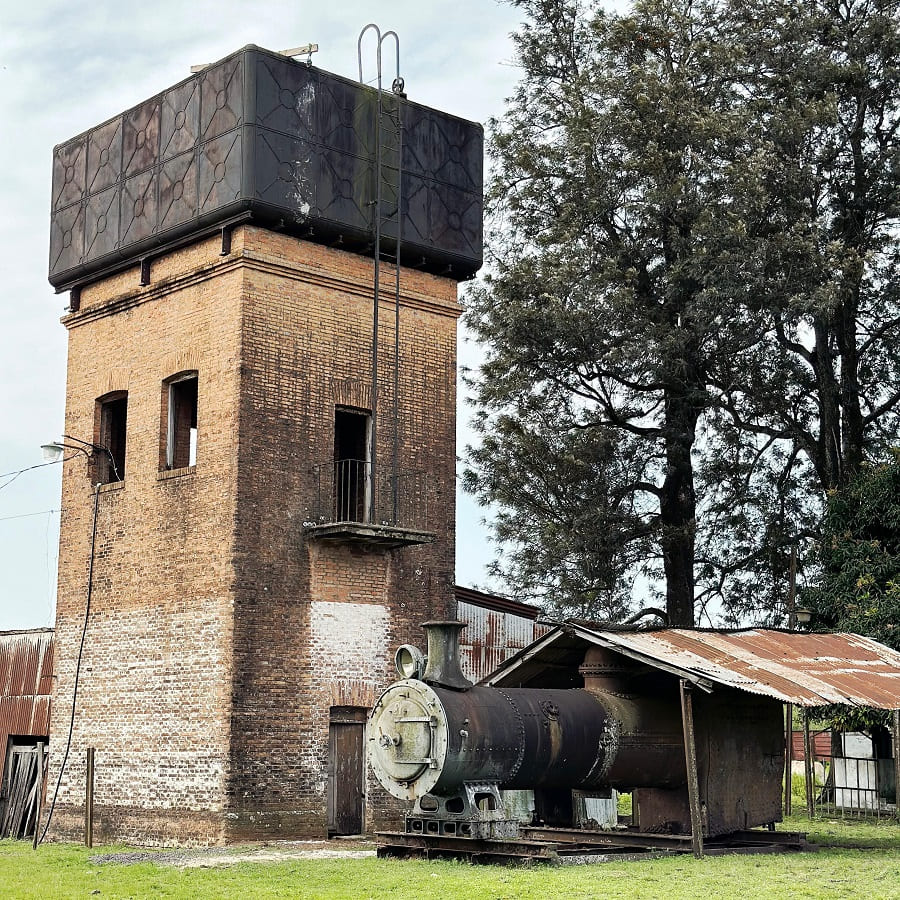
{"type": "Point", "coordinates": [387, 536]}
{"type": "Point", "coordinates": [167, 474]}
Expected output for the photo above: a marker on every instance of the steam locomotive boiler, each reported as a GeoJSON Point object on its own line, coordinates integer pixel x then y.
{"type": "Point", "coordinates": [451, 747]}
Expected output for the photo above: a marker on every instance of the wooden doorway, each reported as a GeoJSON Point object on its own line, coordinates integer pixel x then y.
{"type": "Point", "coordinates": [20, 792]}
{"type": "Point", "coordinates": [346, 770]}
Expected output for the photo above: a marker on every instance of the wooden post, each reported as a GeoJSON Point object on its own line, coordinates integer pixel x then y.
{"type": "Point", "coordinates": [788, 754]}
{"type": "Point", "coordinates": [39, 801]}
{"type": "Point", "coordinates": [808, 766]}
{"type": "Point", "coordinates": [89, 799]}
{"type": "Point", "coordinates": [789, 726]}
{"type": "Point", "coordinates": [897, 760]}
{"type": "Point", "coordinates": [690, 757]}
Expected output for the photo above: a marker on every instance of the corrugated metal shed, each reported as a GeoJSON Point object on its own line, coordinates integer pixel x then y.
{"type": "Point", "coordinates": [794, 667]}
{"type": "Point", "coordinates": [496, 602]}
{"type": "Point", "coordinates": [496, 629]}
{"type": "Point", "coordinates": [26, 682]}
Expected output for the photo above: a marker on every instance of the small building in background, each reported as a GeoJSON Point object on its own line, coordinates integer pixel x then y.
{"type": "Point", "coordinates": [26, 683]}
{"type": "Point", "coordinates": [496, 629]}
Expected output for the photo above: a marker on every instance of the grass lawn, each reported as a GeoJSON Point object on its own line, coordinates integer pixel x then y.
{"type": "Point", "coordinates": [857, 860]}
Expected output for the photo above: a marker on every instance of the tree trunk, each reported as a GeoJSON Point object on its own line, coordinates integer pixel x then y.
{"type": "Point", "coordinates": [828, 451]}
{"type": "Point", "coordinates": [678, 510]}
{"type": "Point", "coordinates": [852, 424]}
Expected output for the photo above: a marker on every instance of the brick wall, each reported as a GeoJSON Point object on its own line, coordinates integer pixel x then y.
{"type": "Point", "coordinates": [306, 348]}
{"type": "Point", "coordinates": [219, 635]}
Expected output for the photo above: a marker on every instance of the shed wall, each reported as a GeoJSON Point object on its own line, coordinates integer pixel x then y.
{"type": "Point", "coordinates": [491, 637]}
{"type": "Point", "coordinates": [26, 682]}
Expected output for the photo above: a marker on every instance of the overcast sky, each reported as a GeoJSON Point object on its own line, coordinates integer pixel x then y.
{"type": "Point", "coordinates": [66, 66]}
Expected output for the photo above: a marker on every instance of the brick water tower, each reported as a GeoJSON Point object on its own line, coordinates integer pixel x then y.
{"type": "Point", "coordinates": [268, 507]}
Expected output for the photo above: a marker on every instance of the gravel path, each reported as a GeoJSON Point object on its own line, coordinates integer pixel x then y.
{"type": "Point", "coordinates": [279, 851]}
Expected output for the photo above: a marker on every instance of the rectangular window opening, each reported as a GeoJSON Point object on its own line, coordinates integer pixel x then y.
{"type": "Point", "coordinates": [181, 436]}
{"type": "Point", "coordinates": [352, 482]}
{"type": "Point", "coordinates": [112, 437]}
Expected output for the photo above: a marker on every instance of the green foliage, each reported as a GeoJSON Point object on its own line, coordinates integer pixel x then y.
{"type": "Point", "coordinates": [859, 560]}
{"type": "Point", "coordinates": [860, 557]}
{"type": "Point", "coordinates": [821, 209]}
{"type": "Point", "coordinates": [692, 316]}
{"type": "Point", "coordinates": [601, 317]}
{"type": "Point", "coordinates": [565, 527]}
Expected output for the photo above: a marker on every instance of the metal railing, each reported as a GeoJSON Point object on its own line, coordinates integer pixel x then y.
{"type": "Point", "coordinates": [343, 493]}
{"type": "Point", "coordinates": [857, 786]}
{"type": "Point", "coordinates": [847, 787]}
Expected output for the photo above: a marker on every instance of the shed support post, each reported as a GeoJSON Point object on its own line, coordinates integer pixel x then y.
{"type": "Point", "coordinates": [788, 754]}
{"type": "Point", "coordinates": [897, 760]}
{"type": "Point", "coordinates": [809, 771]}
{"type": "Point", "coordinates": [39, 797]}
{"type": "Point", "coordinates": [89, 799]}
{"type": "Point", "coordinates": [690, 756]}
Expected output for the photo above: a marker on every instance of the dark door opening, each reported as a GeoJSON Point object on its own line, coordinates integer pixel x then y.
{"type": "Point", "coordinates": [23, 779]}
{"type": "Point", "coordinates": [351, 465]}
{"type": "Point", "coordinates": [346, 770]}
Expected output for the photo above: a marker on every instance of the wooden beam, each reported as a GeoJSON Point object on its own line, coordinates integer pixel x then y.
{"type": "Point", "coordinates": [690, 758]}
{"type": "Point", "coordinates": [897, 760]}
{"type": "Point", "coordinates": [809, 771]}
{"type": "Point", "coordinates": [788, 754]}
{"type": "Point", "coordinates": [89, 799]}
{"type": "Point", "coordinates": [39, 803]}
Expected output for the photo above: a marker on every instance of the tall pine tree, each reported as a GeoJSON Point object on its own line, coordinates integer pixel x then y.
{"type": "Point", "coordinates": [691, 322]}
{"type": "Point", "coordinates": [601, 324]}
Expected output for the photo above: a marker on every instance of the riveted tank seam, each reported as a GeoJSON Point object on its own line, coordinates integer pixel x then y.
{"type": "Point", "coordinates": [521, 727]}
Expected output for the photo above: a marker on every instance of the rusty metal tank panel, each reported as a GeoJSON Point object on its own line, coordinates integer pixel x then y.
{"type": "Point", "coordinates": [261, 137]}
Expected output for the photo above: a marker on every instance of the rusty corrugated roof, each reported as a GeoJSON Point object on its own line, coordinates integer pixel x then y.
{"type": "Point", "coordinates": [795, 667]}
{"type": "Point", "coordinates": [800, 668]}
{"type": "Point", "coordinates": [26, 681]}
{"type": "Point", "coordinates": [495, 601]}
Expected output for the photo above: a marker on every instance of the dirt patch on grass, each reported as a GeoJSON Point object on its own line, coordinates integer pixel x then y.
{"type": "Point", "coordinates": [213, 857]}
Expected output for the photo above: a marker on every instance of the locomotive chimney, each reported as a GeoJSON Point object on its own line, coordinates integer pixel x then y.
{"type": "Point", "coordinates": [605, 671]}
{"type": "Point", "coordinates": [443, 655]}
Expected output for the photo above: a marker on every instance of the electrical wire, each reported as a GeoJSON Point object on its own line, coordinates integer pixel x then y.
{"type": "Point", "coordinates": [43, 512]}
{"type": "Point", "coordinates": [87, 612]}
{"type": "Point", "coordinates": [12, 476]}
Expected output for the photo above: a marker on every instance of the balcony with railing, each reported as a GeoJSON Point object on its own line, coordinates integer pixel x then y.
{"type": "Point", "coordinates": [350, 505]}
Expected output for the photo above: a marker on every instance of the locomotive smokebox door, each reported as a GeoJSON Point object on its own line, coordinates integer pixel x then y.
{"type": "Point", "coordinates": [407, 739]}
